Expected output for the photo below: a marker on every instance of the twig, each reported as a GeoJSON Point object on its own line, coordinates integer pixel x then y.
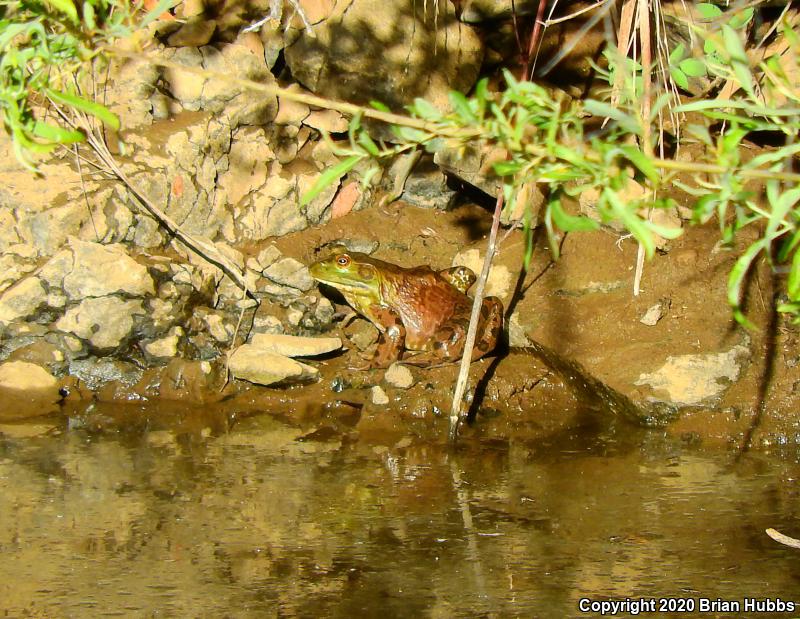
{"type": "Point", "coordinates": [783, 539]}
{"type": "Point", "coordinates": [466, 360]}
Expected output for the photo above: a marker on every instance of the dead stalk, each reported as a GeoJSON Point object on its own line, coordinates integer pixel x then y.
{"type": "Point", "coordinates": [480, 285]}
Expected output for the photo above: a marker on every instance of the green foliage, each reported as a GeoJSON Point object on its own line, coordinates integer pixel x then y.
{"type": "Point", "coordinates": [46, 49]}
{"type": "Point", "coordinates": [546, 142]}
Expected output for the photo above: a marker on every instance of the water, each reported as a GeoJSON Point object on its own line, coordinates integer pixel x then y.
{"type": "Point", "coordinates": [254, 521]}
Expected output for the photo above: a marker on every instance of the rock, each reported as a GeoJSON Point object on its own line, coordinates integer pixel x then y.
{"type": "Point", "coordinates": [100, 270]}
{"type": "Point", "coordinates": [345, 199]}
{"type": "Point", "coordinates": [104, 321]}
{"type": "Point", "coordinates": [295, 346]}
{"type": "Point", "coordinates": [516, 333]}
{"type": "Point", "coordinates": [476, 11]}
{"type": "Point", "coordinates": [329, 121]}
{"type": "Point", "coordinates": [290, 272]}
{"type": "Point", "coordinates": [239, 105]}
{"type": "Point", "coordinates": [165, 347]}
{"type": "Point", "coordinates": [96, 373]}
{"type": "Point", "coordinates": [248, 159]}
{"type": "Point", "coordinates": [499, 282]}
{"type": "Point", "coordinates": [267, 324]}
{"type": "Point", "coordinates": [194, 32]}
{"type": "Point", "coordinates": [398, 375]}
{"type": "Point", "coordinates": [390, 51]}
{"type": "Point", "coordinates": [26, 390]}
{"type": "Point", "coordinates": [694, 379]}
{"type": "Point", "coordinates": [378, 396]}
{"type": "Point", "coordinates": [291, 112]}
{"type": "Point", "coordinates": [655, 313]}
{"type": "Point", "coordinates": [427, 187]}
{"type": "Point", "coordinates": [260, 366]}
{"type": "Point", "coordinates": [22, 300]}
{"type": "Point", "coordinates": [362, 334]}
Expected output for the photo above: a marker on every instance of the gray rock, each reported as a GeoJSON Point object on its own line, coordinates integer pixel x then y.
{"type": "Point", "coordinates": [22, 300]}
{"type": "Point", "coordinates": [103, 321]}
{"type": "Point", "coordinates": [427, 187]}
{"type": "Point", "coordinates": [256, 365]}
{"type": "Point", "coordinates": [295, 346]}
{"type": "Point", "coordinates": [695, 379]}
{"type": "Point", "coordinates": [389, 51]}
{"type": "Point", "coordinates": [290, 272]}
{"type": "Point", "coordinates": [100, 270]}
{"type": "Point", "coordinates": [96, 372]}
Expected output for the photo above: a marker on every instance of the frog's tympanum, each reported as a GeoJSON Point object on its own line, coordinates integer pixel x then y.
{"type": "Point", "coordinates": [415, 309]}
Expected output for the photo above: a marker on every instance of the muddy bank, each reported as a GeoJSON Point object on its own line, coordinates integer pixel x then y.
{"type": "Point", "coordinates": [694, 360]}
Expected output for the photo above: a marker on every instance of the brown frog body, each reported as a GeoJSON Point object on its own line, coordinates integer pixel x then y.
{"type": "Point", "coordinates": [415, 309]}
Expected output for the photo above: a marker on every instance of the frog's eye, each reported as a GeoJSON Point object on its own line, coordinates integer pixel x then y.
{"type": "Point", "coordinates": [343, 260]}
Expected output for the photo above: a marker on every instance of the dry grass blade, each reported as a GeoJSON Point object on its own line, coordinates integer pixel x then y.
{"type": "Point", "coordinates": [783, 539]}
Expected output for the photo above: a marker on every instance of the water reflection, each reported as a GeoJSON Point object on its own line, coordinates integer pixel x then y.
{"type": "Point", "coordinates": [254, 522]}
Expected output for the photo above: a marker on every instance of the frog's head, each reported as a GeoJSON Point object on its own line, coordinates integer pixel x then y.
{"type": "Point", "coordinates": [349, 272]}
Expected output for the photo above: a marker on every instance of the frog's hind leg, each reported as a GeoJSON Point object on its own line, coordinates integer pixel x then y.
{"type": "Point", "coordinates": [491, 327]}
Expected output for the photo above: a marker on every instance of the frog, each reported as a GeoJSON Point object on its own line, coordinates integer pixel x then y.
{"type": "Point", "coordinates": [416, 310]}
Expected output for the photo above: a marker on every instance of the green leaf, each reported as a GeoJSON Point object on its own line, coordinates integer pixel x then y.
{"type": "Point", "coordinates": [708, 11]}
{"type": "Point", "coordinates": [742, 18]}
{"type": "Point", "coordinates": [425, 110]}
{"type": "Point", "coordinates": [739, 61]}
{"type": "Point", "coordinates": [570, 223]}
{"type": "Point", "coordinates": [481, 95]}
{"type": "Point", "coordinates": [793, 282]}
{"type": "Point", "coordinates": [663, 231]}
{"type": "Point", "coordinates": [380, 106]}
{"type": "Point", "coordinates": [58, 135]}
{"type": "Point", "coordinates": [409, 134]}
{"type": "Point", "coordinates": [461, 106]}
{"type": "Point", "coordinates": [89, 107]}
{"type": "Point", "coordinates": [156, 12]}
{"type": "Point", "coordinates": [600, 109]}
{"type": "Point", "coordinates": [329, 177]}
{"type": "Point", "coordinates": [67, 7]}
{"type": "Point", "coordinates": [679, 77]}
{"type": "Point", "coordinates": [89, 15]}
{"type": "Point", "coordinates": [638, 158]}
{"type": "Point", "coordinates": [677, 53]}
{"type": "Point", "coordinates": [736, 279]}
{"type": "Point", "coordinates": [368, 144]}
{"type": "Point", "coordinates": [507, 168]}
{"type": "Point", "coordinates": [631, 221]}
{"type": "Point", "coordinates": [693, 67]}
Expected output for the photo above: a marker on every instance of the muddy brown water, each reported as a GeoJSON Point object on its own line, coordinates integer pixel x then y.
{"type": "Point", "coordinates": [253, 518]}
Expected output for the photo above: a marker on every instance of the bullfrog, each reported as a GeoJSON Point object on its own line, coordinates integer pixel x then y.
{"type": "Point", "coordinates": [415, 309]}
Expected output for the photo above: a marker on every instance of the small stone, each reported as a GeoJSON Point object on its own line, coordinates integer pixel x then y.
{"type": "Point", "coordinates": [652, 315]}
{"type": "Point", "coordinates": [291, 112]}
{"type": "Point", "coordinates": [290, 272]}
{"type": "Point", "coordinates": [399, 375]}
{"type": "Point", "coordinates": [22, 300]}
{"type": "Point", "coordinates": [362, 334]}
{"type": "Point", "coordinates": [217, 328]}
{"type": "Point", "coordinates": [379, 396]}
{"type": "Point", "coordinates": [254, 364]}
{"type": "Point", "coordinates": [267, 324]}
{"type": "Point", "coordinates": [166, 347]}
{"type": "Point", "coordinates": [294, 316]}
{"type": "Point", "coordinates": [295, 346]}
{"type": "Point", "coordinates": [324, 311]}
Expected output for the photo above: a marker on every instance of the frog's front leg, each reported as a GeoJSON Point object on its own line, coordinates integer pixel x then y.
{"type": "Point", "coordinates": [392, 337]}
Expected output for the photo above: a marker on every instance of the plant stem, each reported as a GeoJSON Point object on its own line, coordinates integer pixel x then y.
{"type": "Point", "coordinates": [466, 360]}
